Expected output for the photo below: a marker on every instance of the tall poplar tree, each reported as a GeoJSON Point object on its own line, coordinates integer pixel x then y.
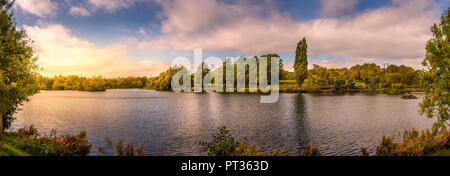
{"type": "Point", "coordinates": [301, 62]}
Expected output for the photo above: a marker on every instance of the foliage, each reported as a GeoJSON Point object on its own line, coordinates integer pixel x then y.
{"type": "Point", "coordinates": [301, 62]}
{"type": "Point", "coordinates": [224, 144]}
{"type": "Point", "coordinates": [11, 151]}
{"type": "Point", "coordinates": [371, 77]}
{"type": "Point", "coordinates": [311, 150]}
{"type": "Point", "coordinates": [393, 79]}
{"type": "Point", "coordinates": [74, 82]}
{"type": "Point", "coordinates": [17, 67]}
{"type": "Point", "coordinates": [364, 152]}
{"type": "Point", "coordinates": [121, 148]}
{"type": "Point", "coordinates": [163, 81]}
{"type": "Point", "coordinates": [414, 143]}
{"type": "Point", "coordinates": [29, 140]}
{"type": "Point", "coordinates": [436, 78]}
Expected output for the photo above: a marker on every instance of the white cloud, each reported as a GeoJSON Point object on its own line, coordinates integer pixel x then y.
{"type": "Point", "coordinates": [388, 34]}
{"type": "Point", "coordinates": [91, 6]}
{"type": "Point", "coordinates": [79, 11]}
{"type": "Point", "coordinates": [113, 5]}
{"type": "Point", "coordinates": [60, 52]}
{"type": "Point", "coordinates": [332, 8]}
{"type": "Point", "coordinates": [41, 8]}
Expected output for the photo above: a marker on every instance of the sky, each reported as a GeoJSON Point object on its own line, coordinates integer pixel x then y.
{"type": "Point", "coordinates": [117, 38]}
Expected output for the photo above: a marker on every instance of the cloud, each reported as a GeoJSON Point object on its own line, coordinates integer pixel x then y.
{"type": "Point", "coordinates": [40, 8]}
{"type": "Point", "coordinates": [60, 52]}
{"type": "Point", "coordinates": [397, 33]}
{"type": "Point", "coordinates": [113, 5]}
{"type": "Point", "coordinates": [91, 6]}
{"type": "Point", "coordinates": [331, 8]}
{"type": "Point", "coordinates": [79, 11]}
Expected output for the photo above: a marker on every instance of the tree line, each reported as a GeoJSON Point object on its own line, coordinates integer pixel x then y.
{"type": "Point", "coordinates": [367, 76]}
{"type": "Point", "coordinates": [98, 83]}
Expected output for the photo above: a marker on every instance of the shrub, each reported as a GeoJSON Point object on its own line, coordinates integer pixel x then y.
{"type": "Point", "coordinates": [121, 148]}
{"type": "Point", "coordinates": [414, 143]}
{"type": "Point", "coordinates": [364, 152]}
{"type": "Point", "coordinates": [244, 150]}
{"type": "Point", "coordinates": [223, 144]}
{"type": "Point", "coordinates": [311, 150]}
{"type": "Point", "coordinates": [69, 145]}
{"type": "Point", "coordinates": [29, 140]}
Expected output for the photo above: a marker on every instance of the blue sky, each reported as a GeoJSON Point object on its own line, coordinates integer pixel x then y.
{"type": "Point", "coordinates": [140, 37]}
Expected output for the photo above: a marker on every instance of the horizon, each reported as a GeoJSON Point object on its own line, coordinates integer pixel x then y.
{"type": "Point", "coordinates": [122, 38]}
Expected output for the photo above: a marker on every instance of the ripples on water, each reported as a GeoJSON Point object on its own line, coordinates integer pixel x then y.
{"type": "Point", "coordinates": [174, 124]}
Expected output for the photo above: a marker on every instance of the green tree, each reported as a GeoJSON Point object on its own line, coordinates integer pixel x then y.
{"type": "Point", "coordinates": [436, 78]}
{"type": "Point", "coordinates": [301, 62]}
{"type": "Point", "coordinates": [223, 144]}
{"type": "Point", "coordinates": [18, 70]}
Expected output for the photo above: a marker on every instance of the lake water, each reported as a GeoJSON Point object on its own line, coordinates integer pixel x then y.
{"type": "Point", "coordinates": [174, 124]}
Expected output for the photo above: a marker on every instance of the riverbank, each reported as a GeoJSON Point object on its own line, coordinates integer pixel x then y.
{"type": "Point", "coordinates": [293, 90]}
{"type": "Point", "coordinates": [297, 89]}
{"type": "Point", "coordinates": [26, 142]}
{"type": "Point", "coordinates": [8, 150]}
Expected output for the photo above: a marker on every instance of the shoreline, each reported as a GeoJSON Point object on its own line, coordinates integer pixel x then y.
{"type": "Point", "coordinates": [330, 92]}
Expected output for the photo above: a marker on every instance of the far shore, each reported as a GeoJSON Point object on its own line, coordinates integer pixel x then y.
{"type": "Point", "coordinates": [350, 91]}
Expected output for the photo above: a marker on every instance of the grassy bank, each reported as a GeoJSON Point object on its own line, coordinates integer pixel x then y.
{"type": "Point", "coordinates": [441, 153]}
{"type": "Point", "coordinates": [27, 141]}
{"type": "Point", "coordinates": [11, 151]}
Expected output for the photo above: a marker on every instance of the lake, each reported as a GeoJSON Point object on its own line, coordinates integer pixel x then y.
{"type": "Point", "coordinates": [174, 124]}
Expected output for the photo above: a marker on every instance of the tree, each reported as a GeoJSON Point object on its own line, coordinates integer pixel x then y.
{"type": "Point", "coordinates": [269, 65]}
{"type": "Point", "coordinates": [18, 70]}
{"type": "Point", "coordinates": [436, 78]}
{"type": "Point", "coordinates": [301, 62]}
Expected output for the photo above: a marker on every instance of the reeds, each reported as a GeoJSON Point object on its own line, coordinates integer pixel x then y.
{"type": "Point", "coordinates": [121, 148]}
{"type": "Point", "coordinates": [415, 143]}
{"type": "Point", "coordinates": [31, 141]}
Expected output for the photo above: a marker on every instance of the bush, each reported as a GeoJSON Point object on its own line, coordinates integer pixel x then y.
{"type": "Point", "coordinates": [121, 148]}
{"type": "Point", "coordinates": [29, 140]}
{"type": "Point", "coordinates": [414, 143]}
{"type": "Point", "coordinates": [311, 150]}
{"type": "Point", "coordinates": [223, 144]}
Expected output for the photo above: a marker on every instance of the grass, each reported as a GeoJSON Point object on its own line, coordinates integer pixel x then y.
{"type": "Point", "coordinates": [441, 153]}
{"type": "Point", "coordinates": [11, 151]}
{"type": "Point", "coordinates": [30, 141]}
